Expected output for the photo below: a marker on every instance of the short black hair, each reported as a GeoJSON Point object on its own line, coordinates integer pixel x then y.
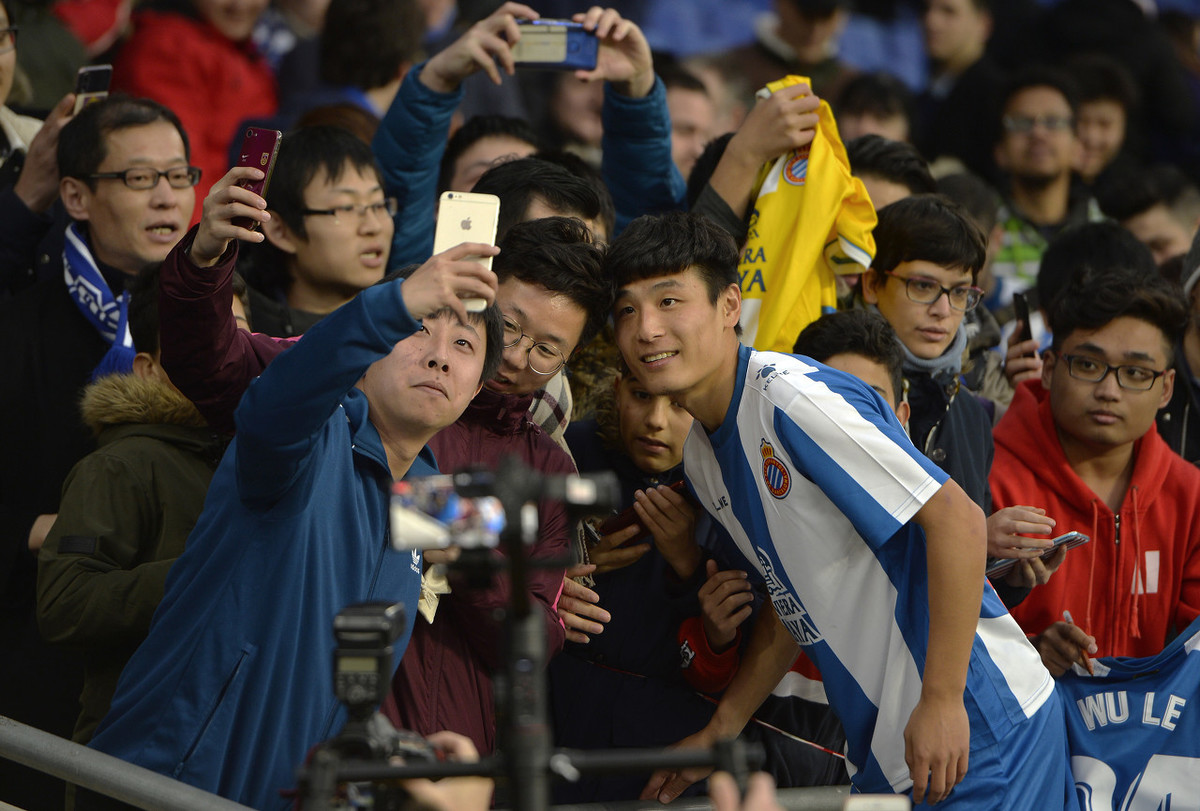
{"type": "Point", "coordinates": [1097, 248]}
{"type": "Point", "coordinates": [675, 76]}
{"type": "Point", "coordinates": [665, 244]}
{"type": "Point", "coordinates": [476, 129]}
{"type": "Point", "coordinates": [489, 317]}
{"type": "Point", "coordinates": [519, 182]}
{"type": "Point", "coordinates": [1135, 191]}
{"type": "Point", "coordinates": [1030, 77]}
{"type": "Point", "coordinates": [83, 142]}
{"type": "Point", "coordinates": [928, 228]}
{"type": "Point", "coordinates": [894, 161]}
{"type": "Point", "coordinates": [1099, 77]}
{"type": "Point", "coordinates": [143, 309]}
{"type": "Point", "coordinates": [818, 8]}
{"type": "Point", "coordinates": [559, 254]}
{"type": "Point", "coordinates": [1094, 298]}
{"type": "Point", "coordinates": [306, 152]}
{"type": "Point", "coordinates": [856, 332]}
{"type": "Point", "coordinates": [975, 195]}
{"type": "Point", "coordinates": [364, 43]}
{"type": "Point", "coordinates": [582, 169]}
{"type": "Point", "coordinates": [878, 94]}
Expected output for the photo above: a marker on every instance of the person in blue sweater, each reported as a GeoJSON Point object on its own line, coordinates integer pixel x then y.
{"type": "Point", "coordinates": [233, 685]}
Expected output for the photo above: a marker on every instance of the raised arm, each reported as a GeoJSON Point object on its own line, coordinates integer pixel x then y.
{"type": "Point", "coordinates": [206, 356]}
{"type": "Point", "coordinates": [412, 137]}
{"type": "Point", "coordinates": [636, 165]}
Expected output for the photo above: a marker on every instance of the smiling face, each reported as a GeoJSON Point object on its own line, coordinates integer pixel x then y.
{"type": "Point", "coordinates": [545, 317]}
{"type": "Point", "coordinates": [1097, 417]}
{"type": "Point", "coordinates": [652, 427]}
{"type": "Point", "coordinates": [428, 379]}
{"type": "Point", "coordinates": [680, 343]}
{"type": "Point", "coordinates": [130, 229]}
{"type": "Point", "coordinates": [1101, 128]}
{"type": "Point", "coordinates": [926, 329]}
{"type": "Point", "coordinates": [342, 254]}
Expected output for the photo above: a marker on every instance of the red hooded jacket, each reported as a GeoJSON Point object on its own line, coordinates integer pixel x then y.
{"type": "Point", "coordinates": [1138, 580]}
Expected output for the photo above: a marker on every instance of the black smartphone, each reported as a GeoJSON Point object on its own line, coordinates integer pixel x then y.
{"type": "Point", "coordinates": [1021, 313]}
{"type": "Point", "coordinates": [91, 85]}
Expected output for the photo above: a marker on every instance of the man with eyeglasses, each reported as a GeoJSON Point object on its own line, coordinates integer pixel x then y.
{"type": "Point", "coordinates": [330, 234]}
{"type": "Point", "coordinates": [553, 297]}
{"type": "Point", "coordinates": [1081, 443]}
{"type": "Point", "coordinates": [1035, 148]}
{"type": "Point", "coordinates": [127, 187]}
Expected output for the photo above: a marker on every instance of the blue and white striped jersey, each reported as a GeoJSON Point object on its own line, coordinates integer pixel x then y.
{"type": "Point", "coordinates": [817, 483]}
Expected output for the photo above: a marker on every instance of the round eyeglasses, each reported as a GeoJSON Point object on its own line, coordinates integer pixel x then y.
{"type": "Point", "coordinates": [923, 290]}
{"type": "Point", "coordinates": [544, 358]}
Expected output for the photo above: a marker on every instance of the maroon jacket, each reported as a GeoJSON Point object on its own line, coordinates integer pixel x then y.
{"type": "Point", "coordinates": [206, 356]}
{"type": "Point", "coordinates": [444, 680]}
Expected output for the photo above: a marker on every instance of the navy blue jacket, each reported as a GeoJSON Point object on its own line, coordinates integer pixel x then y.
{"type": "Point", "coordinates": [233, 684]}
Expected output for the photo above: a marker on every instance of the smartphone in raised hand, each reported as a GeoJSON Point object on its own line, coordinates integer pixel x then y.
{"type": "Point", "coordinates": [259, 149]}
{"type": "Point", "coordinates": [91, 85]}
{"type": "Point", "coordinates": [555, 45]}
{"type": "Point", "coordinates": [1021, 313]}
{"type": "Point", "coordinates": [467, 217]}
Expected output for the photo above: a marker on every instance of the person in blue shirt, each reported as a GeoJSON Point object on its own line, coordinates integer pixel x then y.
{"type": "Point", "coordinates": [233, 685]}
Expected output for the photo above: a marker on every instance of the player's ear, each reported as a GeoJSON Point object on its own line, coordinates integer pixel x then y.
{"type": "Point", "coordinates": [730, 304]}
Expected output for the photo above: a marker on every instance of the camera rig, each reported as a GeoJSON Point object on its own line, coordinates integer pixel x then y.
{"type": "Point", "coordinates": [526, 759]}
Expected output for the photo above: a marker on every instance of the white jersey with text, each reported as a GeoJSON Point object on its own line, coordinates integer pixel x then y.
{"type": "Point", "coordinates": [817, 483]}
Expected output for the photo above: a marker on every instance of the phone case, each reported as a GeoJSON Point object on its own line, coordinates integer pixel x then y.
{"type": "Point", "coordinates": [1000, 567]}
{"type": "Point", "coordinates": [467, 217]}
{"type": "Point", "coordinates": [555, 45]}
{"type": "Point", "coordinates": [259, 149]}
{"type": "Point", "coordinates": [91, 85]}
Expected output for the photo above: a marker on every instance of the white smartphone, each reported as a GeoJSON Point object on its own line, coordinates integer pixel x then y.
{"type": "Point", "coordinates": [467, 217]}
{"type": "Point", "coordinates": [877, 802]}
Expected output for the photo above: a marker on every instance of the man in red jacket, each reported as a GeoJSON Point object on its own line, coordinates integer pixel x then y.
{"type": "Point", "coordinates": [1081, 442]}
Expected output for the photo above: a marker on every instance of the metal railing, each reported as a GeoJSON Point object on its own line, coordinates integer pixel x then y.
{"type": "Point", "coordinates": [151, 791]}
{"type": "Point", "coordinates": [103, 773]}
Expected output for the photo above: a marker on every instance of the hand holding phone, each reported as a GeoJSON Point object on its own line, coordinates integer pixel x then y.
{"type": "Point", "coordinates": [467, 217]}
{"type": "Point", "coordinates": [259, 149]}
{"type": "Point", "coordinates": [1001, 568]}
{"type": "Point", "coordinates": [1021, 313]}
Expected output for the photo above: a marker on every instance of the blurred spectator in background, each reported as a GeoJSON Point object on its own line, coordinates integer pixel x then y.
{"type": "Point", "coordinates": [16, 131]}
{"type": "Point", "coordinates": [958, 106]}
{"type": "Point", "coordinates": [799, 38]}
{"type": "Point", "coordinates": [1107, 104]}
{"type": "Point", "coordinates": [480, 144]}
{"type": "Point", "coordinates": [1036, 148]}
{"type": "Point", "coordinates": [875, 104]}
{"type": "Point", "coordinates": [1157, 205]}
{"type": "Point", "coordinates": [49, 55]}
{"type": "Point", "coordinates": [196, 57]}
{"type": "Point", "coordinates": [693, 114]}
{"type": "Point", "coordinates": [891, 170]}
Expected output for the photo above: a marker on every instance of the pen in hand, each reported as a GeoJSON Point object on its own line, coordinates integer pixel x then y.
{"type": "Point", "coordinates": [1083, 657]}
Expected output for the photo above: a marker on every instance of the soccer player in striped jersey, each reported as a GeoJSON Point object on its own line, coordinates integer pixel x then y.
{"type": "Point", "coordinates": [872, 557]}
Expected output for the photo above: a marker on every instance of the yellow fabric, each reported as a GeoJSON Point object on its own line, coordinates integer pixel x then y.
{"type": "Point", "coordinates": [812, 221]}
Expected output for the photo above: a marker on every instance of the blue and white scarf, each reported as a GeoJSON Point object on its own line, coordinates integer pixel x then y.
{"type": "Point", "coordinates": [109, 314]}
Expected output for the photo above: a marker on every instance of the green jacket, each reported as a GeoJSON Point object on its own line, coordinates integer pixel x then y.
{"type": "Point", "coordinates": [126, 511]}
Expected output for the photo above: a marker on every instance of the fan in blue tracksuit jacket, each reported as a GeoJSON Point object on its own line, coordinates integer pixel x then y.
{"type": "Point", "coordinates": [233, 684]}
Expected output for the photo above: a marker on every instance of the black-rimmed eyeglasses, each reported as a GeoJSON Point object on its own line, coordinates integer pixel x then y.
{"type": "Point", "coordinates": [1091, 370]}
{"type": "Point", "coordinates": [142, 178]}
